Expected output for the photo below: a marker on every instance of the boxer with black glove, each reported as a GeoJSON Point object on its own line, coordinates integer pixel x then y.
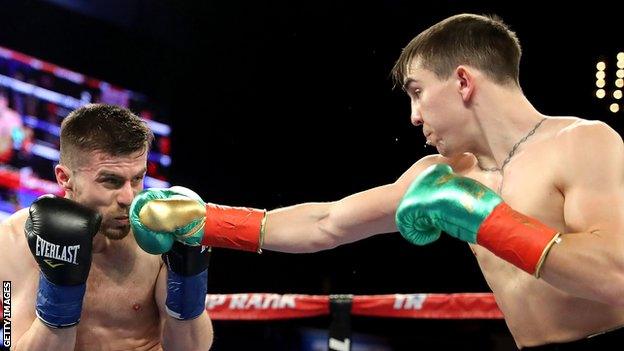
{"type": "Point", "coordinates": [60, 236]}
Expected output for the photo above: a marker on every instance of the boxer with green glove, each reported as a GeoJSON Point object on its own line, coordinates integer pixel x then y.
{"type": "Point", "coordinates": [440, 200]}
{"type": "Point", "coordinates": [161, 216]}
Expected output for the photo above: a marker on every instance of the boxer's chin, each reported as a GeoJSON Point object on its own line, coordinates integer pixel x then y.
{"type": "Point", "coordinates": [114, 232]}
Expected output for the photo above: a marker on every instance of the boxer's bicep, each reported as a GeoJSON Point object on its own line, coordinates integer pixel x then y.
{"type": "Point", "coordinates": [373, 211]}
{"type": "Point", "coordinates": [17, 262]}
{"type": "Point", "coordinates": [18, 270]}
{"type": "Point", "coordinates": [595, 209]}
{"type": "Point", "coordinates": [5, 242]}
{"type": "Point", "coordinates": [160, 294]}
{"type": "Point", "coordinates": [364, 214]}
{"type": "Point", "coordinates": [587, 262]}
{"type": "Point", "coordinates": [594, 182]}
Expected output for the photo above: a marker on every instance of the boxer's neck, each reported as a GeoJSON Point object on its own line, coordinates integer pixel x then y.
{"type": "Point", "coordinates": [504, 118]}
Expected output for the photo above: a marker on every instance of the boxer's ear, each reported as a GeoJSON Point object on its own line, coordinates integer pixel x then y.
{"type": "Point", "coordinates": [64, 178]}
{"type": "Point", "coordinates": [465, 81]}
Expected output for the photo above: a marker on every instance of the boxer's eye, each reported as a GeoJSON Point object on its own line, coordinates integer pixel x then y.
{"type": "Point", "coordinates": [137, 180]}
{"type": "Point", "coordinates": [112, 182]}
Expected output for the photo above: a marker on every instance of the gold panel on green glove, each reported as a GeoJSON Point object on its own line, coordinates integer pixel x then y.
{"type": "Point", "coordinates": [170, 214]}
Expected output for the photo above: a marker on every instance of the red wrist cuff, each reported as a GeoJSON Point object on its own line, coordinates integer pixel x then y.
{"type": "Point", "coordinates": [518, 239]}
{"type": "Point", "coordinates": [233, 227]}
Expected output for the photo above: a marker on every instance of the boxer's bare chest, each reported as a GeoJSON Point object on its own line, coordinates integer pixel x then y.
{"type": "Point", "coordinates": [530, 185]}
{"type": "Point", "coordinates": [119, 302]}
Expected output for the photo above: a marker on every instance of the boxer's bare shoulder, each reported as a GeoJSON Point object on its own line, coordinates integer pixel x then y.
{"type": "Point", "coordinates": [460, 164]}
{"type": "Point", "coordinates": [17, 258]}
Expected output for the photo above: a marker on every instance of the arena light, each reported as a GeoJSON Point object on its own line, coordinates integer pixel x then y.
{"type": "Point", "coordinates": [609, 95]}
{"type": "Point", "coordinates": [614, 107]}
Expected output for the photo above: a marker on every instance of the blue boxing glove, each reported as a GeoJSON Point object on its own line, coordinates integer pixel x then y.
{"type": "Point", "coordinates": [187, 280]}
{"type": "Point", "coordinates": [187, 274]}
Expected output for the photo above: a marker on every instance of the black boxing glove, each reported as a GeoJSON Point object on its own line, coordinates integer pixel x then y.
{"type": "Point", "coordinates": [187, 280]}
{"type": "Point", "coordinates": [60, 236]}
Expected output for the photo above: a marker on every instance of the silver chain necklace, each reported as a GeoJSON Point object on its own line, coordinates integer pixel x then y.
{"type": "Point", "coordinates": [513, 151]}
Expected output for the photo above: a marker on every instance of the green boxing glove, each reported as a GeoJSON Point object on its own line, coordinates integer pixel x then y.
{"type": "Point", "coordinates": [440, 200]}
{"type": "Point", "coordinates": [160, 216]}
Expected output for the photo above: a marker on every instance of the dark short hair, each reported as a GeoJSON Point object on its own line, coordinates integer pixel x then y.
{"type": "Point", "coordinates": [111, 129]}
{"type": "Point", "coordinates": [481, 41]}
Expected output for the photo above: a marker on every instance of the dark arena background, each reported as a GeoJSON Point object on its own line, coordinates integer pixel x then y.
{"type": "Point", "coordinates": [272, 103]}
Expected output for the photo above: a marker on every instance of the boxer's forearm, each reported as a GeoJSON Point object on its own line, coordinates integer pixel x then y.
{"type": "Point", "coordinates": [298, 229]}
{"type": "Point", "coordinates": [187, 335]}
{"type": "Point", "coordinates": [320, 226]}
{"type": "Point", "coordinates": [40, 337]}
{"type": "Point", "coordinates": [588, 265]}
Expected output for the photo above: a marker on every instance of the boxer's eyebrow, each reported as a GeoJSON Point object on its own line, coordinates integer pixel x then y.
{"type": "Point", "coordinates": [108, 174]}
